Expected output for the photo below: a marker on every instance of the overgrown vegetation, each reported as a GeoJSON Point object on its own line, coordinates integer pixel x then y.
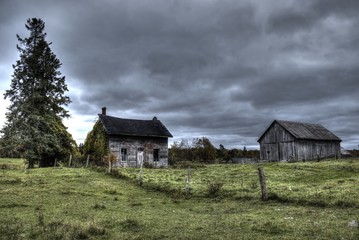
{"type": "Point", "coordinates": [96, 144]}
{"type": "Point", "coordinates": [307, 201]}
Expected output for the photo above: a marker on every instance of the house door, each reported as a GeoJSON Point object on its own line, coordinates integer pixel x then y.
{"type": "Point", "coordinates": [140, 157]}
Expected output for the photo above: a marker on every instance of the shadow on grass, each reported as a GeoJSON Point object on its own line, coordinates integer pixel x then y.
{"type": "Point", "coordinates": [312, 203]}
{"type": "Point", "coordinates": [216, 191]}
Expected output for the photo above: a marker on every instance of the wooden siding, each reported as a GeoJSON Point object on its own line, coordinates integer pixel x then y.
{"type": "Point", "coordinates": [277, 151]}
{"type": "Point", "coordinates": [306, 149]}
{"type": "Point", "coordinates": [134, 145]}
{"type": "Point", "coordinates": [277, 134]}
{"type": "Point", "coordinates": [277, 144]}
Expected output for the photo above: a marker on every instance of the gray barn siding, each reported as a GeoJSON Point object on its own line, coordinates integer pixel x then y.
{"type": "Point", "coordinates": [277, 134]}
{"type": "Point", "coordinates": [133, 144]}
{"type": "Point", "coordinates": [277, 151]}
{"type": "Point", "coordinates": [277, 144]}
{"type": "Point", "coordinates": [307, 149]}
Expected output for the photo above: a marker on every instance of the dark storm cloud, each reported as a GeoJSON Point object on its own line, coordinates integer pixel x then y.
{"type": "Point", "coordinates": [304, 88]}
{"type": "Point", "coordinates": [222, 69]}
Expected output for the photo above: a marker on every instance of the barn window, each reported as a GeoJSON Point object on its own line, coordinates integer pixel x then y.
{"type": "Point", "coordinates": [123, 154]}
{"type": "Point", "coordinates": [156, 155]}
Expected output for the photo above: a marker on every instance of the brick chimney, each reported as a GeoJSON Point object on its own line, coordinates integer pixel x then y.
{"type": "Point", "coordinates": [104, 111]}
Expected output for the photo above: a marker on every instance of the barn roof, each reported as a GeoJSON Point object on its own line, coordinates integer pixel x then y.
{"type": "Point", "coordinates": [134, 127]}
{"type": "Point", "coordinates": [305, 131]}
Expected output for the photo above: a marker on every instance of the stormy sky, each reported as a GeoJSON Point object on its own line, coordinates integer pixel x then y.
{"type": "Point", "coordinates": [224, 69]}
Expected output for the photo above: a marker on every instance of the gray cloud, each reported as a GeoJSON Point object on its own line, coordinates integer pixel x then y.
{"type": "Point", "coordinates": [221, 69]}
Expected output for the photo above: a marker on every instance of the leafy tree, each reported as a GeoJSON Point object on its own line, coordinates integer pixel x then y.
{"type": "Point", "coordinates": [205, 151]}
{"type": "Point", "coordinates": [180, 151]}
{"type": "Point", "coordinates": [223, 153]}
{"type": "Point", "coordinates": [96, 143]}
{"type": "Point", "coordinates": [34, 126]}
{"type": "Point", "coordinates": [234, 153]}
{"type": "Point", "coordinates": [244, 152]}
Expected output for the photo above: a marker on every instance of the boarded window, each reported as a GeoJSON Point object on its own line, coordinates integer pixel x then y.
{"type": "Point", "coordinates": [123, 154]}
{"type": "Point", "coordinates": [156, 155]}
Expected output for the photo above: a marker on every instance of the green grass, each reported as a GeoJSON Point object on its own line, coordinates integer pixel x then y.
{"type": "Point", "coordinates": [329, 183]}
{"type": "Point", "coordinates": [308, 201]}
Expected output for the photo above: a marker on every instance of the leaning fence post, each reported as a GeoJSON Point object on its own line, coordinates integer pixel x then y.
{"type": "Point", "coordinates": [140, 174]}
{"type": "Point", "coordinates": [70, 160]}
{"type": "Point", "coordinates": [87, 160]}
{"type": "Point", "coordinates": [262, 181]}
{"type": "Point", "coordinates": [109, 165]}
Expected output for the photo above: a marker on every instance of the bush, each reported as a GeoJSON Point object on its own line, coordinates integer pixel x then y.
{"type": "Point", "coordinates": [214, 189]}
{"type": "Point", "coordinates": [99, 206]}
{"type": "Point", "coordinates": [130, 224]}
{"type": "Point", "coordinates": [148, 165]}
{"type": "Point", "coordinates": [177, 195]}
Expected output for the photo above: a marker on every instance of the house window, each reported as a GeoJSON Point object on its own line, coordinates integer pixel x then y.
{"type": "Point", "coordinates": [156, 155]}
{"type": "Point", "coordinates": [123, 154]}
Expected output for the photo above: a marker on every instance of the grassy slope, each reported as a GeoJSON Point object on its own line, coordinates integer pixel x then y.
{"type": "Point", "coordinates": [310, 201]}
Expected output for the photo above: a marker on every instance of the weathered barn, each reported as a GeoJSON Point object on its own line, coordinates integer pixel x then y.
{"type": "Point", "coordinates": [136, 141]}
{"type": "Point", "coordinates": [285, 140]}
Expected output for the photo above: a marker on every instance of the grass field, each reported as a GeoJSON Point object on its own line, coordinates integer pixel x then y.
{"type": "Point", "coordinates": [307, 201]}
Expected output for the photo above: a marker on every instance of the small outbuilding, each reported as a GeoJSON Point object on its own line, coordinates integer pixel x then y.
{"type": "Point", "coordinates": [135, 141]}
{"type": "Point", "coordinates": [286, 140]}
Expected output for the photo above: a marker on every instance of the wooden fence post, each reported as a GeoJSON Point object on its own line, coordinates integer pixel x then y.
{"type": "Point", "coordinates": [109, 166]}
{"type": "Point", "coordinates": [262, 181]}
{"type": "Point", "coordinates": [87, 160]}
{"type": "Point", "coordinates": [55, 163]}
{"type": "Point", "coordinates": [140, 174]}
{"type": "Point", "coordinates": [70, 160]}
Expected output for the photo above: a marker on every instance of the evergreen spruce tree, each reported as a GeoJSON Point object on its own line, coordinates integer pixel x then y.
{"type": "Point", "coordinates": [34, 127]}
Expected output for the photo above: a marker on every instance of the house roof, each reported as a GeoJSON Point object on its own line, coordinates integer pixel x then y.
{"type": "Point", "coordinates": [133, 127]}
{"type": "Point", "coordinates": [305, 131]}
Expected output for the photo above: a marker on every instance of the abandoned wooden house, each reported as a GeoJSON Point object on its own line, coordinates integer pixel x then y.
{"type": "Point", "coordinates": [285, 141]}
{"type": "Point", "coordinates": [136, 141]}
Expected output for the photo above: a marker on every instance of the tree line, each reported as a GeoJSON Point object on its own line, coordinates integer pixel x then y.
{"type": "Point", "coordinates": [202, 150]}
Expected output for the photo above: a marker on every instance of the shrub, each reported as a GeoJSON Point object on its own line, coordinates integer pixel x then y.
{"type": "Point", "coordinates": [148, 165]}
{"type": "Point", "coordinates": [214, 189]}
{"type": "Point", "coordinates": [130, 224]}
{"type": "Point", "coordinates": [177, 195]}
{"type": "Point", "coordinates": [95, 230]}
{"type": "Point", "coordinates": [99, 206]}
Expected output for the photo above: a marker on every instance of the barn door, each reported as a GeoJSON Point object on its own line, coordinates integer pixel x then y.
{"type": "Point", "coordinates": [140, 157]}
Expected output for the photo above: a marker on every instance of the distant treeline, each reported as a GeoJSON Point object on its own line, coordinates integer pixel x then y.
{"type": "Point", "coordinates": [202, 150]}
{"type": "Point", "coordinates": [354, 153]}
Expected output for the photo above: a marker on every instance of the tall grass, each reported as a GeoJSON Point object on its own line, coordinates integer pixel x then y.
{"type": "Point", "coordinates": [329, 183]}
{"type": "Point", "coordinates": [308, 201]}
